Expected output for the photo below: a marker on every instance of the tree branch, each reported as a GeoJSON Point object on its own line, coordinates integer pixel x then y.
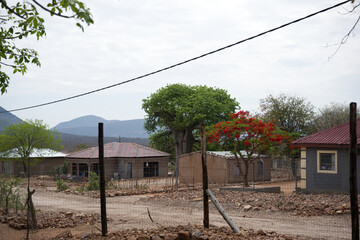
{"type": "Point", "coordinates": [51, 12]}
{"type": "Point", "coordinates": [8, 8]}
{"type": "Point", "coordinates": [345, 38]}
{"type": "Point", "coordinates": [9, 65]}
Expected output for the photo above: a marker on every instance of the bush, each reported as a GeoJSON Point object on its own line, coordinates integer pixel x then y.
{"type": "Point", "coordinates": [93, 182]}
{"type": "Point", "coordinates": [61, 186]}
{"type": "Point", "coordinates": [10, 196]}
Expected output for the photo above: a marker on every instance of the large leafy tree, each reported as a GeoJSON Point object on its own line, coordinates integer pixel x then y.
{"type": "Point", "coordinates": [249, 136]}
{"type": "Point", "coordinates": [20, 141]}
{"type": "Point", "coordinates": [179, 109]}
{"type": "Point", "coordinates": [20, 20]}
{"type": "Point", "coordinates": [332, 115]}
{"type": "Point", "coordinates": [290, 113]}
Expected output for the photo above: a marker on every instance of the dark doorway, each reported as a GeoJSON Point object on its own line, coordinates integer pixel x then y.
{"type": "Point", "coordinates": [83, 170]}
{"type": "Point", "coordinates": [129, 170]}
{"type": "Point", "coordinates": [151, 169]}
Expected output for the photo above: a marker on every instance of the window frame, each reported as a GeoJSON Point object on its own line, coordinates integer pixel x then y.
{"type": "Point", "coordinates": [335, 171]}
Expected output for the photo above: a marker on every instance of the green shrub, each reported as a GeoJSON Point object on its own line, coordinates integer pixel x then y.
{"type": "Point", "coordinates": [10, 195]}
{"type": "Point", "coordinates": [93, 182]}
{"type": "Point", "coordinates": [61, 186]}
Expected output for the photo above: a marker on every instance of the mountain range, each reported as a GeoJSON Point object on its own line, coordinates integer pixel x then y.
{"type": "Point", "coordinates": [84, 130]}
{"type": "Point", "coordinates": [7, 118]}
{"type": "Point", "coordinates": [88, 126]}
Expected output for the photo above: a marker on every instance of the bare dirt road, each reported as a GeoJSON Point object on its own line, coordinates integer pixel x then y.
{"type": "Point", "coordinates": [133, 212]}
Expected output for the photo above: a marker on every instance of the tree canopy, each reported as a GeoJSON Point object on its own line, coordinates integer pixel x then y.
{"type": "Point", "coordinates": [290, 113]}
{"type": "Point", "coordinates": [20, 20]}
{"type": "Point", "coordinates": [332, 115]}
{"type": "Point", "coordinates": [23, 138]}
{"type": "Point", "coordinates": [179, 109]}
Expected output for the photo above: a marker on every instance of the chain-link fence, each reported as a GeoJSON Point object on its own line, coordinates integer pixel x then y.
{"type": "Point", "coordinates": [269, 208]}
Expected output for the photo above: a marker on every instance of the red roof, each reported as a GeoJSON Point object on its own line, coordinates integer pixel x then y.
{"type": "Point", "coordinates": [338, 136]}
{"type": "Point", "coordinates": [119, 150]}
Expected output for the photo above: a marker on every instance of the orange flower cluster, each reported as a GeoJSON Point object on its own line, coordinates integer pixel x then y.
{"type": "Point", "coordinates": [249, 131]}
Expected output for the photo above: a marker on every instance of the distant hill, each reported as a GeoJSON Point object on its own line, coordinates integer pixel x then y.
{"type": "Point", "coordinates": [88, 126]}
{"type": "Point", "coordinates": [70, 141]}
{"type": "Point", "coordinates": [7, 118]}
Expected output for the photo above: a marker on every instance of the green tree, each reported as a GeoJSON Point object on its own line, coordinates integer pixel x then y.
{"type": "Point", "coordinates": [20, 20]}
{"type": "Point", "coordinates": [20, 141]}
{"type": "Point", "coordinates": [163, 141]}
{"type": "Point", "coordinates": [80, 147]}
{"type": "Point", "coordinates": [290, 113]}
{"type": "Point", "coordinates": [332, 115]}
{"type": "Point", "coordinates": [179, 109]}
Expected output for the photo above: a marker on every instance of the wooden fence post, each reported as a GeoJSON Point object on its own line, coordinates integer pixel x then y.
{"type": "Point", "coordinates": [353, 175]}
{"type": "Point", "coordinates": [204, 176]}
{"type": "Point", "coordinates": [102, 180]}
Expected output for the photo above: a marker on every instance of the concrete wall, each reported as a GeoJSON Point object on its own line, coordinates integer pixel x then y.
{"type": "Point", "coordinates": [190, 169]}
{"type": "Point", "coordinates": [258, 175]}
{"type": "Point", "coordinates": [328, 182]}
{"type": "Point", "coordinates": [220, 169]}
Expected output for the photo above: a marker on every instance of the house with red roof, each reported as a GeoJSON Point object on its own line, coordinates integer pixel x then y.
{"type": "Point", "coordinates": [121, 160]}
{"type": "Point", "coordinates": [325, 159]}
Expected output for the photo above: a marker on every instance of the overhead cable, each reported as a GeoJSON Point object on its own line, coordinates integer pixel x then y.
{"type": "Point", "coordinates": [180, 63]}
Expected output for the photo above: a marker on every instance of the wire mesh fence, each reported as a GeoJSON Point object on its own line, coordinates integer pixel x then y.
{"type": "Point", "coordinates": [267, 208]}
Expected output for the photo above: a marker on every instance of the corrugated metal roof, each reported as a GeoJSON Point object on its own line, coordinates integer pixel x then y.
{"type": "Point", "coordinates": [37, 153]}
{"type": "Point", "coordinates": [119, 150]}
{"type": "Point", "coordinates": [335, 136]}
{"type": "Point", "coordinates": [228, 154]}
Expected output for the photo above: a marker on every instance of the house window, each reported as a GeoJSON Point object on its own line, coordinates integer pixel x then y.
{"type": "Point", "coordinates": [327, 162]}
{"type": "Point", "coordinates": [151, 169]}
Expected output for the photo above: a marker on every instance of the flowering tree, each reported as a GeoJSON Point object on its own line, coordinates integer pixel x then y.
{"type": "Point", "coordinates": [249, 136]}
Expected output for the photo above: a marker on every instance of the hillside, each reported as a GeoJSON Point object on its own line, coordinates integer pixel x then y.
{"type": "Point", "coordinates": [70, 141]}
{"type": "Point", "coordinates": [88, 126]}
{"type": "Point", "coordinates": [7, 118]}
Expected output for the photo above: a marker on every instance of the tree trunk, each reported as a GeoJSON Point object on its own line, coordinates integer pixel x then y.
{"type": "Point", "coordinates": [184, 141]}
{"type": "Point", "coordinates": [33, 221]}
{"type": "Point", "coordinates": [246, 173]}
{"type": "Point", "coordinates": [25, 168]}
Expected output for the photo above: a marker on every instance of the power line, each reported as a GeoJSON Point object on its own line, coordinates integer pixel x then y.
{"type": "Point", "coordinates": [180, 63]}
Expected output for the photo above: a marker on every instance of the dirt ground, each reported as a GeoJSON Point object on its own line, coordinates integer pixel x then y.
{"type": "Point", "coordinates": [172, 209]}
{"type": "Point", "coordinates": [126, 212]}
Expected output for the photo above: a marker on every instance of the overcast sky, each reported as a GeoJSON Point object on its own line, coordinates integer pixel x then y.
{"type": "Point", "coordinates": [131, 38]}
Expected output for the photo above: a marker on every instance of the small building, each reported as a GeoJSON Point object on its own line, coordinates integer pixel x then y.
{"type": "Point", "coordinates": [325, 159]}
{"type": "Point", "coordinates": [42, 162]}
{"type": "Point", "coordinates": [222, 168]}
{"type": "Point", "coordinates": [121, 160]}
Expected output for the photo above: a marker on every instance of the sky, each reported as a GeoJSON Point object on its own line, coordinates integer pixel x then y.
{"type": "Point", "coordinates": [132, 38]}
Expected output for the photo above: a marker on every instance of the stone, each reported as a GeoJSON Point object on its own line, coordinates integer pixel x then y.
{"type": "Point", "coordinates": [143, 237]}
{"type": "Point", "coordinates": [170, 236]}
{"type": "Point", "coordinates": [247, 207]}
{"type": "Point", "coordinates": [183, 235]}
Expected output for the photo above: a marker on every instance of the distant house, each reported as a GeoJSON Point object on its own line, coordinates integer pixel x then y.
{"type": "Point", "coordinates": [222, 168]}
{"type": "Point", "coordinates": [46, 160]}
{"type": "Point", "coordinates": [122, 160]}
{"type": "Point", "coordinates": [325, 159]}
